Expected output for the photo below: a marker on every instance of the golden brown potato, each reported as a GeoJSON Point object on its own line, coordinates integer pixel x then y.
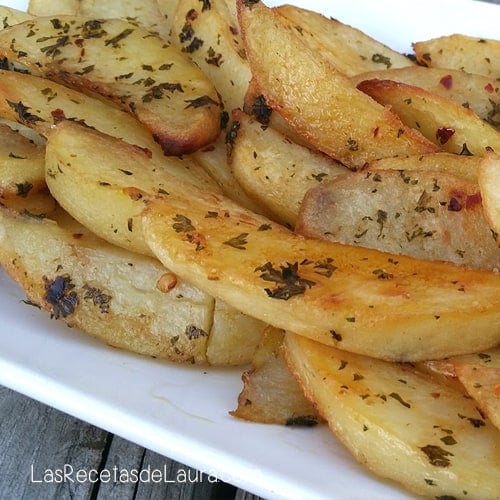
{"type": "Point", "coordinates": [465, 53]}
{"type": "Point", "coordinates": [347, 48]}
{"type": "Point", "coordinates": [53, 7]}
{"type": "Point", "coordinates": [123, 62]}
{"type": "Point", "coordinates": [333, 293]}
{"type": "Point", "coordinates": [477, 92]}
{"type": "Point", "coordinates": [460, 165]}
{"type": "Point", "coordinates": [106, 196]}
{"type": "Point", "coordinates": [213, 160]}
{"type": "Point", "coordinates": [39, 204]}
{"type": "Point", "coordinates": [22, 164]}
{"type": "Point", "coordinates": [12, 16]}
{"type": "Point", "coordinates": [145, 12]}
{"type": "Point", "coordinates": [428, 215]}
{"type": "Point", "coordinates": [489, 183]}
{"type": "Point", "coordinates": [267, 164]}
{"type": "Point", "coordinates": [385, 411]}
{"type": "Point", "coordinates": [124, 299]}
{"type": "Point", "coordinates": [336, 294]}
{"type": "Point", "coordinates": [316, 99]}
{"type": "Point", "coordinates": [270, 394]}
{"type": "Point", "coordinates": [40, 104]}
{"type": "Point", "coordinates": [449, 125]}
{"type": "Point", "coordinates": [480, 375]}
{"type": "Point", "coordinates": [234, 337]}
{"type": "Point", "coordinates": [207, 32]}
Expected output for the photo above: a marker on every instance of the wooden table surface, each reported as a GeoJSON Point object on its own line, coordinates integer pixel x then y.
{"type": "Point", "coordinates": [35, 438]}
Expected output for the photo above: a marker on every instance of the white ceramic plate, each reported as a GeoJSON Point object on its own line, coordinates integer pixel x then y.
{"type": "Point", "coordinates": [182, 412]}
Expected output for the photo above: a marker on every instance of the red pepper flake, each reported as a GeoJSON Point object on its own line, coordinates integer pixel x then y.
{"type": "Point", "coordinates": [191, 15]}
{"type": "Point", "coordinates": [473, 200]}
{"type": "Point", "coordinates": [58, 115]}
{"type": "Point", "coordinates": [447, 82]}
{"type": "Point", "coordinates": [489, 88]}
{"type": "Point", "coordinates": [375, 132]}
{"type": "Point", "coordinates": [444, 134]}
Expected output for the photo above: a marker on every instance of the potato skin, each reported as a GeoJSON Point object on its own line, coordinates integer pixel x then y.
{"type": "Point", "coordinates": [428, 215]}
{"type": "Point", "coordinates": [401, 422]}
{"type": "Point", "coordinates": [109, 293]}
{"type": "Point", "coordinates": [124, 63]}
{"type": "Point", "coordinates": [316, 99]}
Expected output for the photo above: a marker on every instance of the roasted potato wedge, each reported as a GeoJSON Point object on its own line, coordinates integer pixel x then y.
{"type": "Point", "coordinates": [213, 160]}
{"type": "Point", "coordinates": [355, 298]}
{"type": "Point", "coordinates": [107, 196]}
{"type": "Point", "coordinates": [256, 106]}
{"type": "Point", "coordinates": [489, 183]}
{"type": "Point", "coordinates": [234, 337]}
{"type": "Point", "coordinates": [449, 125]}
{"type": "Point", "coordinates": [336, 294]}
{"type": "Point", "coordinates": [39, 103]}
{"type": "Point", "coordinates": [480, 375]}
{"type": "Point", "coordinates": [145, 12]}
{"type": "Point", "coordinates": [270, 394]}
{"type": "Point", "coordinates": [347, 48]}
{"type": "Point", "coordinates": [385, 411]}
{"type": "Point", "coordinates": [124, 299]}
{"type": "Point", "coordinates": [292, 72]}
{"type": "Point", "coordinates": [22, 164]}
{"type": "Point", "coordinates": [465, 53]}
{"type": "Point", "coordinates": [267, 164]}
{"type": "Point", "coordinates": [207, 32]}
{"type": "Point", "coordinates": [42, 8]}
{"type": "Point", "coordinates": [477, 92]}
{"type": "Point", "coordinates": [22, 95]}
{"type": "Point", "coordinates": [459, 165]}
{"type": "Point", "coordinates": [39, 204]}
{"type": "Point", "coordinates": [428, 215]}
{"type": "Point", "coordinates": [11, 16]}
{"type": "Point", "coordinates": [123, 62]}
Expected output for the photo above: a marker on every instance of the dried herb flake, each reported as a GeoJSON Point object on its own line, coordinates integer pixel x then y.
{"type": "Point", "coordinates": [239, 242]}
{"type": "Point", "coordinates": [288, 281]}
{"type": "Point", "coordinates": [60, 295]}
{"type": "Point", "coordinates": [182, 224]}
